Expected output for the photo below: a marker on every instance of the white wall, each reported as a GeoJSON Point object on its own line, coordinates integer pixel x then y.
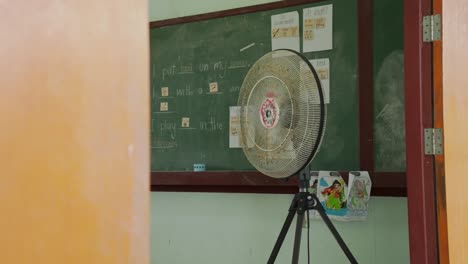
{"type": "Point", "coordinates": [215, 228]}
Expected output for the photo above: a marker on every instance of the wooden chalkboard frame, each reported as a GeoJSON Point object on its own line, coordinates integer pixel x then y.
{"type": "Point", "coordinates": [384, 183]}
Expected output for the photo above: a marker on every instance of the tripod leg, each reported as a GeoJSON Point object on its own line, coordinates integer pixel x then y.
{"type": "Point", "coordinates": [333, 230]}
{"type": "Point", "coordinates": [297, 237]}
{"type": "Point", "coordinates": [284, 231]}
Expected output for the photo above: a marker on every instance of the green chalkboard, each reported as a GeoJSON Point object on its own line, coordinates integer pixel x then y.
{"type": "Point", "coordinates": [389, 86]}
{"type": "Point", "coordinates": [186, 58]}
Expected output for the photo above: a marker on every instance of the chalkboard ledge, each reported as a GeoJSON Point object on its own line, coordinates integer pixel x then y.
{"type": "Point", "coordinates": [391, 184]}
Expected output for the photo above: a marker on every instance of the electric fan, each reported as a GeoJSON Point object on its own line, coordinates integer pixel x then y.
{"type": "Point", "coordinates": [282, 123]}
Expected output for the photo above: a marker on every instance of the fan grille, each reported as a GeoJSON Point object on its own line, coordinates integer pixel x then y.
{"type": "Point", "coordinates": [282, 114]}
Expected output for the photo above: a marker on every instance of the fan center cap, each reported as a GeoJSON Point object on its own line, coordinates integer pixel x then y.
{"type": "Point", "coordinates": [269, 113]}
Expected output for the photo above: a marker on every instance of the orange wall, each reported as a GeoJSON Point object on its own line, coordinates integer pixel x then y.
{"type": "Point", "coordinates": [455, 65]}
{"type": "Point", "coordinates": [74, 134]}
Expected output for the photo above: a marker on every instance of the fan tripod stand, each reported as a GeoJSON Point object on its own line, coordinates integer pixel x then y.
{"type": "Point", "coordinates": [301, 203]}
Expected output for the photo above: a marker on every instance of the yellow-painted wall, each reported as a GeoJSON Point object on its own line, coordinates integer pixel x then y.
{"type": "Point", "coordinates": [74, 133]}
{"type": "Point", "coordinates": [455, 78]}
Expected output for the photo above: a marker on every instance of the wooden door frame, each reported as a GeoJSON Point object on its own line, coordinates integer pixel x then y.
{"type": "Point", "coordinates": [440, 159]}
{"type": "Point", "coordinates": [422, 214]}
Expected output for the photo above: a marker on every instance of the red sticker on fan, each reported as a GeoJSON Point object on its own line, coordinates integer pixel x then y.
{"type": "Point", "coordinates": [269, 113]}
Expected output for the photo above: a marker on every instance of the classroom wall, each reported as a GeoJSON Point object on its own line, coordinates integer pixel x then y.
{"type": "Point", "coordinates": [74, 132]}
{"type": "Point", "coordinates": [213, 228]}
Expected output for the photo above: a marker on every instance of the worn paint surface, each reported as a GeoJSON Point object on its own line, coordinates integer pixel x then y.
{"type": "Point", "coordinates": [455, 80]}
{"type": "Point", "coordinates": [74, 132]}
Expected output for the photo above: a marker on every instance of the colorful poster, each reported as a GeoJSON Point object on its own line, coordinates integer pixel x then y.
{"type": "Point", "coordinates": [285, 31]}
{"type": "Point", "coordinates": [331, 191]}
{"type": "Point", "coordinates": [317, 28]}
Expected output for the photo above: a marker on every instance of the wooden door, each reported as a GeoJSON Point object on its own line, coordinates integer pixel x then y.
{"type": "Point", "coordinates": [74, 132]}
{"type": "Point", "coordinates": [455, 120]}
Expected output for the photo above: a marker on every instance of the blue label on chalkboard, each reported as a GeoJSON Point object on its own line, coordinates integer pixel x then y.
{"type": "Point", "coordinates": [198, 167]}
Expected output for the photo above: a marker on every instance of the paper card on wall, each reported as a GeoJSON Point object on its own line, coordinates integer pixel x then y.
{"type": "Point", "coordinates": [185, 122]}
{"type": "Point", "coordinates": [164, 106]}
{"type": "Point", "coordinates": [214, 87]}
{"type": "Point", "coordinates": [234, 127]}
{"type": "Point", "coordinates": [317, 28]}
{"type": "Point", "coordinates": [322, 67]}
{"type": "Point", "coordinates": [164, 91]}
{"type": "Point", "coordinates": [285, 31]}
{"type": "Point", "coordinates": [358, 195]}
{"type": "Point", "coordinates": [331, 191]}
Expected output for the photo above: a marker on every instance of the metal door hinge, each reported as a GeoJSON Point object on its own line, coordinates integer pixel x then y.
{"type": "Point", "coordinates": [432, 28]}
{"type": "Point", "coordinates": [433, 141]}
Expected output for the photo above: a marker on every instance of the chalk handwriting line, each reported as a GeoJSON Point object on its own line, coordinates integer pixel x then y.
{"type": "Point", "coordinates": [165, 112]}
{"type": "Point", "coordinates": [382, 112]}
{"type": "Point", "coordinates": [248, 46]}
{"type": "Point", "coordinates": [163, 147]}
{"type": "Point", "coordinates": [238, 66]}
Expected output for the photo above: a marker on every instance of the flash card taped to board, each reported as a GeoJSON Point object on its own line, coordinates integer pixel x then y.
{"type": "Point", "coordinates": [322, 67]}
{"type": "Point", "coordinates": [234, 127]}
{"type": "Point", "coordinates": [318, 28]}
{"type": "Point", "coordinates": [285, 31]}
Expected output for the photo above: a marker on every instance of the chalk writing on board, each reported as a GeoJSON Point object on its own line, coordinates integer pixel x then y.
{"type": "Point", "coordinates": [247, 47]}
{"type": "Point", "coordinates": [168, 71]}
{"type": "Point", "coordinates": [165, 112]}
{"type": "Point", "coordinates": [234, 89]}
{"type": "Point", "coordinates": [211, 125]}
{"type": "Point", "coordinates": [186, 91]}
{"type": "Point", "coordinates": [167, 126]}
{"type": "Point", "coordinates": [185, 69]}
{"type": "Point", "coordinates": [165, 145]}
{"type": "Point", "coordinates": [219, 66]}
{"type": "Point", "coordinates": [238, 64]}
{"type": "Point", "coordinates": [165, 135]}
{"type": "Point", "coordinates": [203, 67]}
